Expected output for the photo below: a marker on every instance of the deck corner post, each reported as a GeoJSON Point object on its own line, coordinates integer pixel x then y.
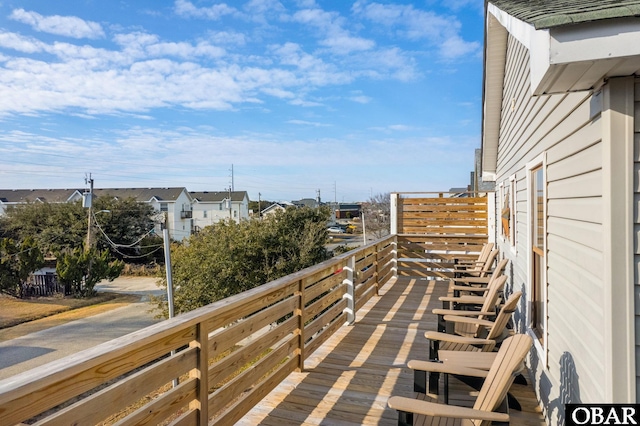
{"type": "Point", "coordinates": [393, 210]}
{"type": "Point", "coordinates": [350, 295]}
{"type": "Point", "coordinates": [299, 294]}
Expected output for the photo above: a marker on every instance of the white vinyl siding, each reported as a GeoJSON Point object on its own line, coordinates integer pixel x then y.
{"type": "Point", "coordinates": [568, 129]}
{"type": "Point", "coordinates": [636, 220]}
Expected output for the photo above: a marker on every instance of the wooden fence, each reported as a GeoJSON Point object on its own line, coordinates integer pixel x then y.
{"type": "Point", "coordinates": [228, 355]}
{"type": "Point", "coordinates": [433, 228]}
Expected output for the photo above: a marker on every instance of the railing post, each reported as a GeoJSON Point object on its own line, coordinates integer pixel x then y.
{"type": "Point", "coordinates": [202, 374]}
{"type": "Point", "coordinates": [350, 295]}
{"type": "Point", "coordinates": [393, 210]}
{"type": "Point", "coordinates": [299, 294]}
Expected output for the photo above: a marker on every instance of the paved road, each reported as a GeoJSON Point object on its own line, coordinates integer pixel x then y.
{"type": "Point", "coordinates": [27, 352]}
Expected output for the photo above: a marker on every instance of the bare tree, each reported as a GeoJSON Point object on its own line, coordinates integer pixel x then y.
{"type": "Point", "coordinates": [377, 215]}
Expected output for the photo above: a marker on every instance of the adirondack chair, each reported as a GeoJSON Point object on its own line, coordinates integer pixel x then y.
{"type": "Point", "coordinates": [472, 288]}
{"type": "Point", "coordinates": [487, 310]}
{"type": "Point", "coordinates": [478, 270]}
{"type": "Point", "coordinates": [482, 257]}
{"type": "Point", "coordinates": [464, 283]}
{"type": "Point", "coordinates": [493, 329]}
{"type": "Point", "coordinates": [508, 363]}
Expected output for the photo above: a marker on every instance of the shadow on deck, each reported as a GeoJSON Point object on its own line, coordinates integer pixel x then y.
{"type": "Point", "coordinates": [349, 379]}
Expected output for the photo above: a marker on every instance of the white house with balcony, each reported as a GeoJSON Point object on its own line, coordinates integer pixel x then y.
{"type": "Point", "coordinates": [211, 207]}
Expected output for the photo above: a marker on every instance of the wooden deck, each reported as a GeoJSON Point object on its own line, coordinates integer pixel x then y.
{"type": "Point", "coordinates": [348, 380]}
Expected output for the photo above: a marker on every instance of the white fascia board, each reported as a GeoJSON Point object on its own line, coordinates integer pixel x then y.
{"type": "Point", "coordinates": [536, 41]}
{"type": "Point", "coordinates": [488, 176]}
{"type": "Point", "coordinates": [606, 39]}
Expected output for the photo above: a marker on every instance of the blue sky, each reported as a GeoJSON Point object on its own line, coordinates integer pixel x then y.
{"type": "Point", "coordinates": [351, 98]}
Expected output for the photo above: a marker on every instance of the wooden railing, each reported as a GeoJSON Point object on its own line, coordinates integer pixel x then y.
{"type": "Point", "coordinates": [434, 228]}
{"type": "Point", "coordinates": [227, 355]}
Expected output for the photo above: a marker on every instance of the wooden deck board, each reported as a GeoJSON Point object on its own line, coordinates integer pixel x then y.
{"type": "Point", "coordinates": [349, 379]}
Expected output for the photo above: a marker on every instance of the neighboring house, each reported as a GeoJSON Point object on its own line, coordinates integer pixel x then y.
{"type": "Point", "coordinates": [12, 197]}
{"type": "Point", "coordinates": [307, 202]}
{"type": "Point", "coordinates": [347, 211]}
{"type": "Point", "coordinates": [561, 112]}
{"type": "Point", "coordinates": [210, 207]}
{"type": "Point", "coordinates": [175, 202]}
{"type": "Point", "coordinates": [276, 207]}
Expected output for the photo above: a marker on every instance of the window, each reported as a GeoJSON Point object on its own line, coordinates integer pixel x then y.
{"type": "Point", "coordinates": [537, 224]}
{"type": "Point", "coordinates": [505, 211]}
{"type": "Point", "coordinates": [164, 207]}
{"type": "Point", "coordinates": [512, 211]}
{"type": "Point", "coordinates": [204, 213]}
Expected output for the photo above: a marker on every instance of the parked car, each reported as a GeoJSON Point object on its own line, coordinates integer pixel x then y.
{"type": "Point", "coordinates": [336, 230]}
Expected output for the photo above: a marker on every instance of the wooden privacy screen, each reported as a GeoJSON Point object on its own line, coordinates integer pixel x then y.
{"type": "Point", "coordinates": [435, 229]}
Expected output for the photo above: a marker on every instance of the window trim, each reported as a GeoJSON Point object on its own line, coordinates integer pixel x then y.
{"type": "Point", "coordinates": [512, 207]}
{"type": "Point", "coordinates": [540, 343]}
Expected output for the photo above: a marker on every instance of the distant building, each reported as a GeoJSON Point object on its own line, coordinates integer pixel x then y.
{"type": "Point", "coordinates": [210, 207]}
{"type": "Point", "coordinates": [347, 211]}
{"type": "Point", "coordinates": [276, 207]}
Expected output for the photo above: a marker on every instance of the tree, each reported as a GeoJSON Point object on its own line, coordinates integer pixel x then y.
{"type": "Point", "coordinates": [125, 228]}
{"type": "Point", "coordinates": [80, 270]}
{"type": "Point", "coordinates": [53, 226]}
{"type": "Point", "coordinates": [227, 258]}
{"type": "Point", "coordinates": [17, 262]}
{"type": "Point", "coordinates": [56, 227]}
{"type": "Point", "coordinates": [377, 212]}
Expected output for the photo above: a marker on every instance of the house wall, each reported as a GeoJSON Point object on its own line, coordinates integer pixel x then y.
{"type": "Point", "coordinates": [567, 127]}
{"type": "Point", "coordinates": [636, 221]}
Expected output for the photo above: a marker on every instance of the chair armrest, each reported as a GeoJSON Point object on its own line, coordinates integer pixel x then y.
{"type": "Point", "coordinates": [453, 338]}
{"type": "Point", "coordinates": [473, 280]}
{"type": "Point", "coordinates": [426, 408]}
{"type": "Point", "coordinates": [459, 312]}
{"type": "Point", "coordinates": [447, 368]}
{"type": "Point", "coordinates": [467, 320]}
{"type": "Point", "coordinates": [469, 288]}
{"type": "Point", "coordinates": [478, 300]}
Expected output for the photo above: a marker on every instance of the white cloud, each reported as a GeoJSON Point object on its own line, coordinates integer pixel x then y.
{"type": "Point", "coordinates": [332, 32]}
{"type": "Point", "coordinates": [68, 26]}
{"type": "Point", "coordinates": [215, 12]}
{"type": "Point", "coordinates": [361, 99]}
{"type": "Point", "coordinates": [308, 123]}
{"type": "Point", "coordinates": [408, 22]}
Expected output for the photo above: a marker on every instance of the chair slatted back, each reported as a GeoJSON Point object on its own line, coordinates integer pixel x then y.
{"type": "Point", "coordinates": [490, 302]}
{"type": "Point", "coordinates": [484, 253]}
{"type": "Point", "coordinates": [486, 268]}
{"type": "Point", "coordinates": [504, 316]}
{"type": "Point", "coordinates": [508, 363]}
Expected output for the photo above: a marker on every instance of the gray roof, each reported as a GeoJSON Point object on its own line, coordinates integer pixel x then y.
{"type": "Point", "coordinates": [218, 196]}
{"type": "Point", "coordinates": [63, 195]}
{"type": "Point", "coordinates": [31, 195]}
{"type": "Point", "coordinates": [142, 194]}
{"type": "Point", "coordinates": [554, 13]}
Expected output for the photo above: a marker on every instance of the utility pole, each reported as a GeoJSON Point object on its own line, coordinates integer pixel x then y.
{"type": "Point", "coordinates": [167, 262]}
{"type": "Point", "coordinates": [88, 202]}
{"type": "Point", "coordinates": [230, 217]}
{"type": "Point", "coordinates": [259, 206]}
{"type": "Point", "coordinates": [233, 187]}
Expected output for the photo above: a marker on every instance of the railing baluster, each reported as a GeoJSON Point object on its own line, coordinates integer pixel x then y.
{"type": "Point", "coordinates": [350, 295]}
{"type": "Point", "coordinates": [301, 320]}
{"type": "Point", "coordinates": [202, 373]}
